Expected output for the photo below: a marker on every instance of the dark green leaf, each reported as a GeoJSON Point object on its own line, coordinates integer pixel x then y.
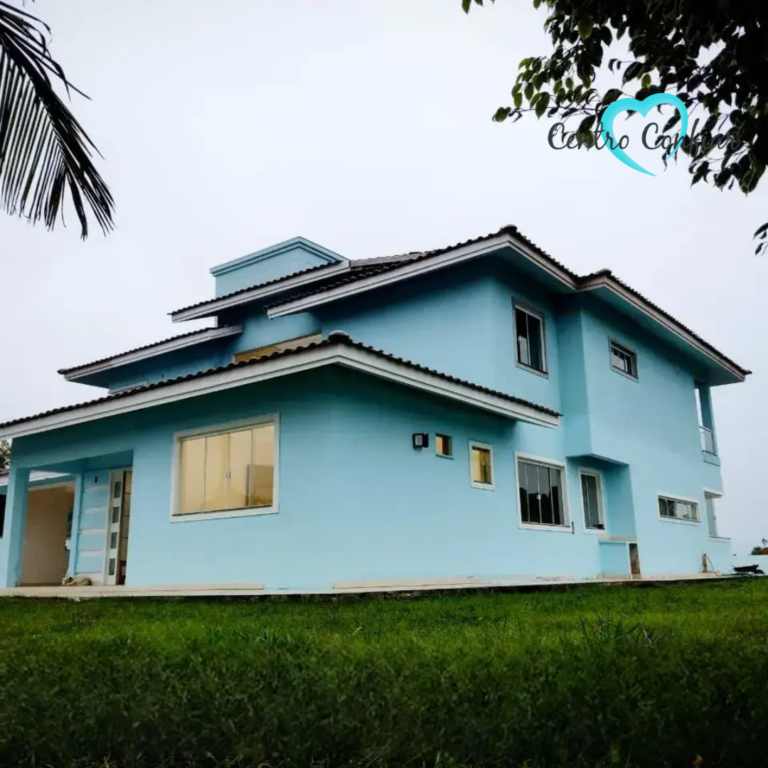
{"type": "Point", "coordinates": [541, 104]}
{"type": "Point", "coordinates": [633, 70]}
{"type": "Point", "coordinates": [585, 27]}
{"type": "Point", "coordinates": [502, 113]}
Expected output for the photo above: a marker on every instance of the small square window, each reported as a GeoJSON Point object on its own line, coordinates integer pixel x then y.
{"type": "Point", "coordinates": [623, 360]}
{"type": "Point", "coordinates": [443, 445]}
{"type": "Point", "coordinates": [529, 339]}
{"type": "Point", "coordinates": [481, 466]}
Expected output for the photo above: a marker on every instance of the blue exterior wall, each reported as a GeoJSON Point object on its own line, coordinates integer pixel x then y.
{"type": "Point", "coordinates": [459, 321]}
{"type": "Point", "coordinates": [357, 502]}
{"type": "Point", "coordinates": [277, 261]}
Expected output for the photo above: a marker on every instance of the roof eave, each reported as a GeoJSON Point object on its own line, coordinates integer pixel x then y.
{"type": "Point", "coordinates": [258, 292]}
{"type": "Point", "coordinates": [347, 354]}
{"type": "Point", "coordinates": [424, 265]}
{"type": "Point", "coordinates": [631, 298]}
{"type": "Point", "coordinates": [161, 348]}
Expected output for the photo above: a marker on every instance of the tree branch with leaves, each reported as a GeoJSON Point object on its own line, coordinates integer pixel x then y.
{"type": "Point", "coordinates": [712, 54]}
{"type": "Point", "coordinates": [44, 152]}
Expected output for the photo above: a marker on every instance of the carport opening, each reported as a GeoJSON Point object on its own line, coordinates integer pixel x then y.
{"type": "Point", "coordinates": [47, 527]}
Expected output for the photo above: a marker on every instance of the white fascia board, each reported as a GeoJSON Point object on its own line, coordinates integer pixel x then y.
{"type": "Point", "coordinates": [158, 349]}
{"type": "Point", "coordinates": [392, 370]}
{"type": "Point", "coordinates": [420, 267]}
{"type": "Point", "coordinates": [39, 476]}
{"type": "Point", "coordinates": [606, 282]}
{"type": "Point", "coordinates": [227, 302]}
{"type": "Point", "coordinates": [358, 359]}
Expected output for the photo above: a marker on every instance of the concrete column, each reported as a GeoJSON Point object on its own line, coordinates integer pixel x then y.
{"type": "Point", "coordinates": [13, 535]}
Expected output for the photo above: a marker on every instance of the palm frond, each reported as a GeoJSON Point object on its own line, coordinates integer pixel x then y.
{"type": "Point", "coordinates": [44, 151]}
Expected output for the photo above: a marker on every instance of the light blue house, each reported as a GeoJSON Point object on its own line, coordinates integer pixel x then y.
{"type": "Point", "coordinates": [476, 412]}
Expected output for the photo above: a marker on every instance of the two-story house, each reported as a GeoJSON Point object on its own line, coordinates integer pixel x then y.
{"type": "Point", "coordinates": [476, 412]}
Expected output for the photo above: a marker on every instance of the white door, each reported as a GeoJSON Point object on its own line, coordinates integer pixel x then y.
{"type": "Point", "coordinates": [114, 519]}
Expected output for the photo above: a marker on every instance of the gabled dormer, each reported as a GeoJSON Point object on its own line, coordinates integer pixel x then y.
{"type": "Point", "coordinates": [278, 261]}
{"type": "Point", "coordinates": [213, 347]}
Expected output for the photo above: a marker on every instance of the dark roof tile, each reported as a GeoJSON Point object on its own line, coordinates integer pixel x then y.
{"type": "Point", "coordinates": [65, 371]}
{"type": "Point", "coordinates": [336, 338]}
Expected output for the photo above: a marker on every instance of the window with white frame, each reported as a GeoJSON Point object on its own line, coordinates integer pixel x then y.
{"type": "Point", "coordinates": [623, 360]}
{"type": "Point", "coordinates": [227, 470]}
{"type": "Point", "coordinates": [481, 466]}
{"type": "Point", "coordinates": [541, 493]}
{"type": "Point", "coordinates": [678, 509]}
{"type": "Point", "coordinates": [529, 334]}
{"type": "Point", "coordinates": [592, 500]}
{"type": "Point", "coordinates": [444, 445]}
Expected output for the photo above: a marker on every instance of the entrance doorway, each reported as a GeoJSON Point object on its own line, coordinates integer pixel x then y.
{"type": "Point", "coordinates": [119, 522]}
{"type": "Point", "coordinates": [44, 554]}
{"type": "Point", "coordinates": [634, 561]}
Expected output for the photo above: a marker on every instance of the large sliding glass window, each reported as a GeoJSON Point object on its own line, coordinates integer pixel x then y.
{"type": "Point", "coordinates": [541, 493]}
{"type": "Point", "coordinates": [226, 471]}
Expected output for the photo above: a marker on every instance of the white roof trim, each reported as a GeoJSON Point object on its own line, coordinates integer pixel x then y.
{"type": "Point", "coordinates": [227, 302]}
{"type": "Point", "coordinates": [35, 476]}
{"type": "Point", "coordinates": [408, 270]}
{"type": "Point", "coordinates": [464, 253]}
{"type": "Point", "coordinates": [172, 345]}
{"type": "Point", "coordinates": [605, 281]}
{"type": "Point", "coordinates": [336, 354]}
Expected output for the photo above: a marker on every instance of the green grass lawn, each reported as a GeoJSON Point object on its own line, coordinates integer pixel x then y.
{"type": "Point", "coordinates": [583, 676]}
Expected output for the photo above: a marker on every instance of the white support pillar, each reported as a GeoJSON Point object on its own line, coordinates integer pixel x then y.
{"type": "Point", "coordinates": [13, 535]}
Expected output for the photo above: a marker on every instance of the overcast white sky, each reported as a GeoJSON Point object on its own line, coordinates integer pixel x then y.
{"type": "Point", "coordinates": [229, 126]}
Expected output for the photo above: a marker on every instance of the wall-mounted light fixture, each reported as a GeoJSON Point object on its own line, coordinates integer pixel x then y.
{"type": "Point", "coordinates": [420, 440]}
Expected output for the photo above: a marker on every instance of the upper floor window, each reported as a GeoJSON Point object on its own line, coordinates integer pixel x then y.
{"type": "Point", "coordinates": [227, 470]}
{"type": "Point", "coordinates": [281, 346]}
{"type": "Point", "coordinates": [623, 360]}
{"type": "Point", "coordinates": [678, 509]}
{"type": "Point", "coordinates": [529, 333]}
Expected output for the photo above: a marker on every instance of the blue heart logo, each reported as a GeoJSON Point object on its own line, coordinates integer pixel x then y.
{"type": "Point", "coordinates": [643, 107]}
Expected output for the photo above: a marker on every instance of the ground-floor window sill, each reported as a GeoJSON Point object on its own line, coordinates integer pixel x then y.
{"type": "Point", "coordinates": [190, 518]}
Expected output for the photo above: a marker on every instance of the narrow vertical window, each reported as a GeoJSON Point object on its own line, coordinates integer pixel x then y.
{"type": "Point", "coordinates": [480, 465]}
{"type": "Point", "coordinates": [444, 445]}
{"type": "Point", "coordinates": [709, 499]}
{"type": "Point", "coordinates": [592, 501]}
{"type": "Point", "coordinates": [529, 334]}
